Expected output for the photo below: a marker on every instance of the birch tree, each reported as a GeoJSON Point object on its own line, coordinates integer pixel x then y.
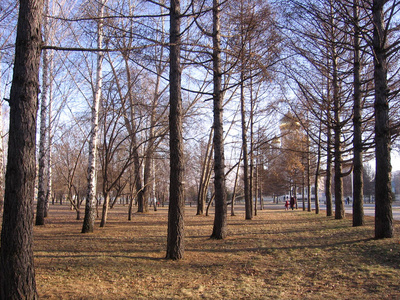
{"type": "Point", "coordinates": [41, 198]}
{"type": "Point", "coordinates": [90, 207]}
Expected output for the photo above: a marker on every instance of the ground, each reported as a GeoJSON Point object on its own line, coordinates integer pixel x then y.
{"type": "Point", "coordinates": [277, 255]}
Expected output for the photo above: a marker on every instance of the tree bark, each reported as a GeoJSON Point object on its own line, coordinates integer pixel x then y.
{"type": "Point", "coordinates": [90, 207]}
{"type": "Point", "coordinates": [49, 192]}
{"type": "Point", "coordinates": [176, 211]}
{"type": "Point", "coordinates": [247, 199]}
{"type": "Point", "coordinates": [308, 176]}
{"type": "Point", "coordinates": [235, 185]}
{"type": "Point", "coordinates": [138, 171]}
{"type": "Point", "coordinates": [328, 179]}
{"type": "Point", "coordinates": [220, 218]}
{"type": "Point", "coordinates": [41, 198]}
{"type": "Point", "coordinates": [48, 166]}
{"type": "Point", "coordinates": [252, 192]}
{"type": "Point", "coordinates": [358, 196]}
{"type": "Point", "coordinates": [106, 206]}
{"type": "Point", "coordinates": [339, 205]}
{"type": "Point", "coordinates": [317, 167]}
{"type": "Point", "coordinates": [1, 159]}
{"type": "Point", "coordinates": [204, 178]}
{"type": "Point", "coordinates": [383, 185]}
{"type": "Point", "coordinates": [17, 275]}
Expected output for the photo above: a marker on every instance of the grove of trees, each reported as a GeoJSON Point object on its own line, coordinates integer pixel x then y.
{"type": "Point", "coordinates": [156, 102]}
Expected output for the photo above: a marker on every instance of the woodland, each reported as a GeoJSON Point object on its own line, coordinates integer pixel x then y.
{"type": "Point", "coordinates": [198, 105]}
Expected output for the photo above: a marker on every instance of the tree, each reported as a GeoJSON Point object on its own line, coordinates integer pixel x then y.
{"type": "Point", "coordinates": [70, 169]}
{"type": "Point", "coordinates": [176, 210]}
{"type": "Point", "coordinates": [383, 186]}
{"type": "Point", "coordinates": [219, 229]}
{"type": "Point", "coordinates": [116, 150]}
{"type": "Point", "coordinates": [88, 222]}
{"type": "Point", "coordinates": [41, 199]}
{"type": "Point", "coordinates": [322, 38]}
{"type": "Point", "coordinates": [358, 196]}
{"type": "Point", "coordinates": [253, 48]}
{"type": "Point", "coordinates": [17, 275]}
{"type": "Point", "coordinates": [205, 175]}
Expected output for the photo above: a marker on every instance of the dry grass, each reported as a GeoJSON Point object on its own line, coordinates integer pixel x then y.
{"type": "Point", "coordinates": [278, 255]}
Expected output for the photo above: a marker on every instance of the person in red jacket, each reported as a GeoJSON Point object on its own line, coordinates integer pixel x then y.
{"type": "Point", "coordinates": [287, 205]}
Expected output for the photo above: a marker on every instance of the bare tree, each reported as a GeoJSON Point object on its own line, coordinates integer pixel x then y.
{"type": "Point", "coordinates": [175, 239]}
{"type": "Point", "coordinates": [383, 185]}
{"type": "Point", "coordinates": [90, 216]}
{"type": "Point", "coordinates": [69, 168]}
{"type": "Point", "coordinates": [41, 199]}
{"type": "Point", "coordinates": [205, 175]}
{"type": "Point", "coordinates": [220, 220]}
{"type": "Point", "coordinates": [358, 196]}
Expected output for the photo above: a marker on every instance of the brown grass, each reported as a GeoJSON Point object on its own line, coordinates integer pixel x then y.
{"type": "Point", "coordinates": [277, 255]}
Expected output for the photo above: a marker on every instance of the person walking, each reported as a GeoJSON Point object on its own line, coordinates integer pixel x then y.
{"type": "Point", "coordinates": [292, 203]}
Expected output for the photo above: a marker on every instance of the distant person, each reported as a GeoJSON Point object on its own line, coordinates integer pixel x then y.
{"type": "Point", "coordinates": [287, 205]}
{"type": "Point", "coordinates": [292, 203]}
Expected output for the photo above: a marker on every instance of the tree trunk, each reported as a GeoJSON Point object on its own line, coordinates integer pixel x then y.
{"type": "Point", "coordinates": [235, 185]}
{"type": "Point", "coordinates": [308, 176]}
{"type": "Point", "coordinates": [49, 191]}
{"type": "Point", "coordinates": [259, 183]}
{"type": "Point", "coordinates": [251, 154]}
{"type": "Point", "coordinates": [383, 186]}
{"type": "Point", "coordinates": [90, 208]}
{"type": "Point", "coordinates": [318, 165]}
{"type": "Point", "coordinates": [146, 182]}
{"type": "Point", "coordinates": [106, 206]}
{"type": "Point", "coordinates": [339, 205]}
{"type": "Point", "coordinates": [176, 211]}
{"type": "Point", "coordinates": [138, 177]}
{"type": "Point", "coordinates": [41, 198]}
{"type": "Point", "coordinates": [256, 189]}
{"type": "Point", "coordinates": [220, 218]}
{"type": "Point", "coordinates": [130, 207]}
{"type": "Point", "coordinates": [78, 208]}
{"type": "Point", "coordinates": [17, 275]}
{"type": "Point", "coordinates": [207, 179]}
{"type": "Point", "coordinates": [204, 175]}
{"type": "Point", "coordinates": [1, 157]}
{"type": "Point", "coordinates": [303, 186]}
{"type": "Point", "coordinates": [328, 179]}
{"type": "Point", "coordinates": [358, 196]}
{"type": "Point", "coordinates": [247, 199]}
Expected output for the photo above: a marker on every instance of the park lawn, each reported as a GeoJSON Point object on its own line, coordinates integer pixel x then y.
{"type": "Point", "coordinates": [277, 255]}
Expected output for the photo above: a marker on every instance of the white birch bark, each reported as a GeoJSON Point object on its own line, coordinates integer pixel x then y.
{"type": "Point", "coordinates": [49, 140]}
{"type": "Point", "coordinates": [40, 209]}
{"type": "Point", "coordinates": [90, 209]}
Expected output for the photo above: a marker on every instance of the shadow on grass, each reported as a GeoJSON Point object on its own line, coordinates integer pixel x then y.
{"type": "Point", "coordinates": [97, 257]}
{"type": "Point", "coordinates": [271, 249]}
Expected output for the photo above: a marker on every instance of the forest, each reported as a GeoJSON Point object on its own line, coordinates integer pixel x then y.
{"type": "Point", "coordinates": [182, 103]}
